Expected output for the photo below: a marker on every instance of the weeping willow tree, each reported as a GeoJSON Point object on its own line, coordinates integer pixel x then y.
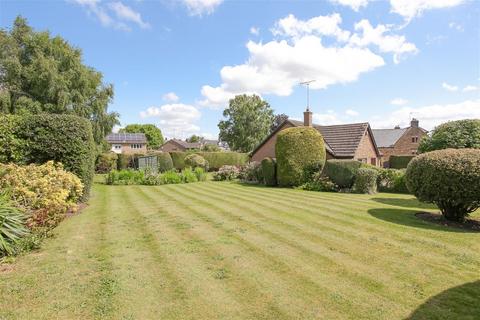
{"type": "Point", "coordinates": [44, 74]}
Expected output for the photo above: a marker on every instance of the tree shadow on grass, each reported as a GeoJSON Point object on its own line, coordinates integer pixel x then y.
{"type": "Point", "coordinates": [459, 302]}
{"type": "Point", "coordinates": [406, 203]}
{"type": "Point", "coordinates": [408, 218]}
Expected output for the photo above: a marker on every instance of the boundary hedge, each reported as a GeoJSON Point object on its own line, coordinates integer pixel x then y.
{"type": "Point", "coordinates": [400, 162]}
{"type": "Point", "coordinates": [215, 159]}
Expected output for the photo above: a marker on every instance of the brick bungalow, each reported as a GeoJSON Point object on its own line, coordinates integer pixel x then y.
{"type": "Point", "coordinates": [399, 141]}
{"type": "Point", "coordinates": [353, 141]}
{"type": "Point", "coordinates": [127, 142]}
{"type": "Point", "coordinates": [179, 145]}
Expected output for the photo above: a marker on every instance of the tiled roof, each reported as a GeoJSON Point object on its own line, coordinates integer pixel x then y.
{"type": "Point", "coordinates": [126, 138]}
{"type": "Point", "coordinates": [188, 145]}
{"type": "Point", "coordinates": [343, 139]}
{"type": "Point", "coordinates": [387, 137]}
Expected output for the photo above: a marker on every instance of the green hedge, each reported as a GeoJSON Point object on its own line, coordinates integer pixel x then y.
{"type": "Point", "coordinates": [450, 178]}
{"type": "Point", "coordinates": [106, 162]}
{"type": "Point", "coordinates": [196, 161]}
{"type": "Point", "coordinates": [399, 162]}
{"type": "Point", "coordinates": [63, 138]}
{"type": "Point", "coordinates": [342, 172]}
{"type": "Point", "coordinates": [366, 181]}
{"type": "Point", "coordinates": [215, 159]}
{"type": "Point", "coordinates": [165, 162]}
{"type": "Point", "coordinates": [298, 151]}
{"type": "Point", "coordinates": [269, 171]}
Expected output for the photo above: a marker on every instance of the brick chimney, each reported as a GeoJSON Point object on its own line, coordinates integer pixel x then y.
{"type": "Point", "coordinates": [307, 118]}
{"type": "Point", "coordinates": [414, 123]}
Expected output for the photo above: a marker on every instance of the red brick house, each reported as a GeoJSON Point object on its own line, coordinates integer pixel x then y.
{"type": "Point", "coordinates": [353, 141]}
{"type": "Point", "coordinates": [179, 145]}
{"type": "Point", "coordinates": [399, 141]}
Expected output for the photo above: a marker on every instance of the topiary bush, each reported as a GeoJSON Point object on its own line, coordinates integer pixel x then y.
{"type": "Point", "coordinates": [106, 162]}
{"type": "Point", "coordinates": [449, 178]}
{"type": "Point", "coordinates": [178, 159]}
{"type": "Point", "coordinates": [196, 161]}
{"type": "Point", "coordinates": [269, 171]}
{"type": "Point", "coordinates": [298, 149]}
{"type": "Point", "coordinates": [342, 172]}
{"type": "Point", "coordinates": [366, 181]}
{"type": "Point", "coordinates": [165, 162]}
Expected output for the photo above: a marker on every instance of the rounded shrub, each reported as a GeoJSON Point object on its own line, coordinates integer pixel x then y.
{"type": "Point", "coordinates": [106, 162]}
{"type": "Point", "coordinates": [298, 149]}
{"type": "Point", "coordinates": [449, 178]}
{"type": "Point", "coordinates": [342, 172]}
{"type": "Point", "coordinates": [366, 181]}
{"type": "Point", "coordinates": [196, 161]}
{"type": "Point", "coordinates": [269, 171]}
{"type": "Point", "coordinates": [178, 159]}
{"type": "Point", "coordinates": [165, 162]}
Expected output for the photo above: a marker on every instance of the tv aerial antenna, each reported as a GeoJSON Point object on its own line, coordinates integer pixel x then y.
{"type": "Point", "coordinates": [307, 85]}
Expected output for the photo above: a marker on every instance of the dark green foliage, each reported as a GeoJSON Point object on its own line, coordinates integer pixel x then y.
{"type": "Point", "coordinates": [152, 133]}
{"type": "Point", "coordinates": [392, 180]}
{"type": "Point", "coordinates": [196, 161]}
{"type": "Point", "coordinates": [248, 122]}
{"type": "Point", "coordinates": [454, 134]}
{"type": "Point", "coordinates": [128, 160]}
{"type": "Point", "coordinates": [399, 162]}
{"type": "Point", "coordinates": [366, 181]}
{"type": "Point", "coordinates": [178, 159]}
{"type": "Point", "coordinates": [319, 183]}
{"type": "Point", "coordinates": [46, 74]}
{"type": "Point", "coordinates": [298, 150]}
{"type": "Point", "coordinates": [12, 227]}
{"type": "Point", "coordinates": [106, 162]}
{"type": "Point", "coordinates": [269, 171]}
{"type": "Point", "coordinates": [449, 178]}
{"type": "Point", "coordinates": [12, 147]}
{"type": "Point", "coordinates": [62, 138]}
{"type": "Point", "coordinates": [165, 162]}
{"type": "Point", "coordinates": [342, 172]}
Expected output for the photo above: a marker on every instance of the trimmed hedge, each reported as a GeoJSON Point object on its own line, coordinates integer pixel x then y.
{"type": "Point", "coordinates": [366, 181]}
{"type": "Point", "coordinates": [342, 172]}
{"type": "Point", "coordinates": [165, 162]}
{"type": "Point", "coordinates": [450, 178]}
{"type": "Point", "coordinates": [106, 162]}
{"type": "Point", "coordinates": [62, 138]}
{"type": "Point", "coordinates": [399, 162]}
{"type": "Point", "coordinates": [269, 171]}
{"type": "Point", "coordinates": [298, 150]}
{"type": "Point", "coordinates": [215, 159]}
{"type": "Point", "coordinates": [196, 161]}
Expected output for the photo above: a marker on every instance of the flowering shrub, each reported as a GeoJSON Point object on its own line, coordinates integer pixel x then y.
{"type": "Point", "coordinates": [251, 172]}
{"type": "Point", "coordinates": [46, 191]}
{"type": "Point", "coordinates": [319, 183]}
{"type": "Point", "coordinates": [226, 172]}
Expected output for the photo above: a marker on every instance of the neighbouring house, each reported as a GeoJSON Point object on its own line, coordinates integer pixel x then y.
{"type": "Point", "coordinates": [180, 145]}
{"type": "Point", "coordinates": [345, 141]}
{"type": "Point", "coordinates": [399, 141]}
{"type": "Point", "coordinates": [127, 142]}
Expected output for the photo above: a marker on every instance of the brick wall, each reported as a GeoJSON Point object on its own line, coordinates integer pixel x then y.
{"type": "Point", "coordinates": [404, 146]}
{"type": "Point", "coordinates": [366, 150]}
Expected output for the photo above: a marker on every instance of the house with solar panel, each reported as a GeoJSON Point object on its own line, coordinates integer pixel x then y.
{"type": "Point", "coordinates": [127, 142]}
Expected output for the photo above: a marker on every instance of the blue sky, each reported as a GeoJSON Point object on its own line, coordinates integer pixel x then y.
{"type": "Point", "coordinates": [176, 63]}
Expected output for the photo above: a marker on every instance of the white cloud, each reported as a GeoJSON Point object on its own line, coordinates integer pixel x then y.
{"type": "Point", "coordinates": [398, 102]}
{"type": "Point", "coordinates": [277, 67]}
{"type": "Point", "coordinates": [126, 13]}
{"type": "Point", "coordinates": [255, 31]}
{"type": "Point", "coordinates": [430, 116]}
{"type": "Point", "coordinates": [354, 4]}
{"type": "Point", "coordinates": [201, 7]}
{"type": "Point", "coordinates": [456, 26]}
{"type": "Point", "coordinates": [410, 9]}
{"type": "Point", "coordinates": [449, 87]}
{"type": "Point", "coordinates": [123, 14]}
{"type": "Point", "coordinates": [290, 26]}
{"type": "Point", "coordinates": [386, 43]}
{"type": "Point", "coordinates": [470, 88]}
{"type": "Point", "coordinates": [351, 113]}
{"type": "Point", "coordinates": [170, 97]}
{"type": "Point", "coordinates": [176, 120]}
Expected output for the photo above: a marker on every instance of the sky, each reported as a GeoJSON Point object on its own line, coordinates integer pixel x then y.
{"type": "Point", "coordinates": [177, 63]}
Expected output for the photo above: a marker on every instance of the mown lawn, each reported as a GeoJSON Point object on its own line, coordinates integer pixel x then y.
{"type": "Point", "coordinates": [228, 251]}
